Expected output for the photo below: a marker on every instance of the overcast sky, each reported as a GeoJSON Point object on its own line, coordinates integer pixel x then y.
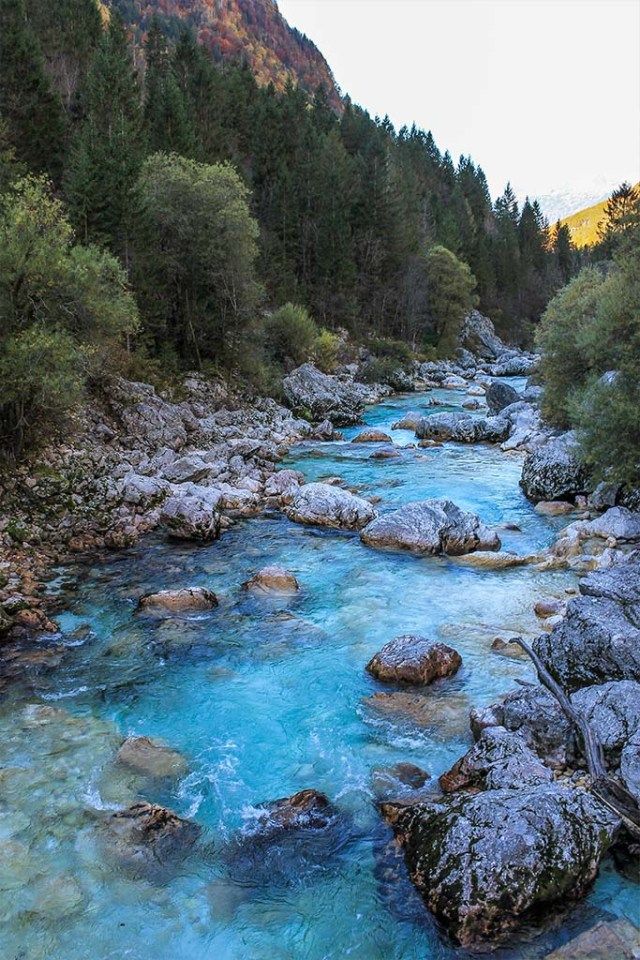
{"type": "Point", "coordinates": [545, 93]}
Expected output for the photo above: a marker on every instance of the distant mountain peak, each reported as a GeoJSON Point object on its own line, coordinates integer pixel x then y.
{"type": "Point", "coordinates": [253, 31]}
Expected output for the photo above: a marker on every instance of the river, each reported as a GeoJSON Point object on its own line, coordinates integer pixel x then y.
{"type": "Point", "coordinates": [263, 698]}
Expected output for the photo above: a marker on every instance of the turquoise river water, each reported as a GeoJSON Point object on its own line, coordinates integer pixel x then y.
{"type": "Point", "coordinates": [263, 698]}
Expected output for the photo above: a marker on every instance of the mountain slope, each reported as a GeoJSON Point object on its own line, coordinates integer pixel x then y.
{"type": "Point", "coordinates": [583, 225]}
{"type": "Point", "coordinates": [250, 30]}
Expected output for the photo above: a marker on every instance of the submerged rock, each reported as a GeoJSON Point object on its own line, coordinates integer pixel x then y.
{"type": "Point", "coordinates": [412, 659]}
{"type": "Point", "coordinates": [150, 840]}
{"type": "Point", "coordinates": [483, 862]}
{"type": "Point", "coordinates": [184, 600]}
{"type": "Point", "coordinates": [608, 940]}
{"type": "Point", "coordinates": [324, 396]}
{"type": "Point", "coordinates": [305, 810]}
{"type": "Point", "coordinates": [273, 579]}
{"type": "Point", "coordinates": [397, 780]}
{"type": "Point", "coordinates": [553, 471]}
{"type": "Point", "coordinates": [327, 506]}
{"type": "Point", "coordinates": [493, 560]}
{"type": "Point", "coordinates": [430, 527]}
{"type": "Point", "coordinates": [151, 758]}
{"type": "Point", "coordinates": [371, 435]}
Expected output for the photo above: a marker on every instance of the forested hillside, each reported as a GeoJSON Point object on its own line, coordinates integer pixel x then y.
{"type": "Point", "coordinates": [245, 31]}
{"type": "Point", "coordinates": [585, 226]}
{"type": "Point", "coordinates": [196, 199]}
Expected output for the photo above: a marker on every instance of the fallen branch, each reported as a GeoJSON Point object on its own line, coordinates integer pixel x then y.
{"type": "Point", "coordinates": [608, 790]}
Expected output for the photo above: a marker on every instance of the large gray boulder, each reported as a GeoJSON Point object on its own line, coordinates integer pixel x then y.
{"type": "Point", "coordinates": [430, 527]}
{"type": "Point", "coordinates": [597, 641]}
{"type": "Point", "coordinates": [553, 471]}
{"type": "Point", "coordinates": [323, 505]}
{"type": "Point", "coordinates": [462, 427]}
{"type": "Point", "coordinates": [618, 522]}
{"type": "Point", "coordinates": [518, 366]}
{"type": "Point", "coordinates": [620, 582]}
{"type": "Point", "coordinates": [324, 396]}
{"type": "Point", "coordinates": [192, 513]}
{"type": "Point", "coordinates": [499, 759]}
{"type": "Point", "coordinates": [478, 336]}
{"type": "Point", "coordinates": [500, 395]}
{"type": "Point", "coordinates": [536, 717]}
{"type": "Point", "coordinates": [612, 710]}
{"type": "Point", "coordinates": [483, 863]}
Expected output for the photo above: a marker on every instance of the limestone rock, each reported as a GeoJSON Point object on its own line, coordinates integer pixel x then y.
{"type": "Point", "coordinates": [499, 759]}
{"type": "Point", "coordinates": [430, 527]}
{"type": "Point", "coordinates": [151, 758]}
{"type": "Point", "coordinates": [183, 600]}
{"type": "Point", "coordinates": [371, 435]}
{"type": "Point", "coordinates": [415, 660]}
{"type": "Point", "coordinates": [273, 579]}
{"type": "Point", "coordinates": [324, 396]}
{"type": "Point", "coordinates": [553, 471]}
{"type": "Point", "coordinates": [499, 395]}
{"type": "Point", "coordinates": [483, 862]}
{"type": "Point", "coordinates": [323, 505]}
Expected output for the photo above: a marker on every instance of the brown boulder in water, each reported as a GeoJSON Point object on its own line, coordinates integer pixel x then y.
{"type": "Point", "coordinates": [416, 660]}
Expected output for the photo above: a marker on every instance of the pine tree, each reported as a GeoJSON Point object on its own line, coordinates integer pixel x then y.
{"type": "Point", "coordinates": [107, 154]}
{"type": "Point", "coordinates": [168, 119]}
{"type": "Point", "coordinates": [563, 250]}
{"type": "Point", "coordinates": [31, 108]}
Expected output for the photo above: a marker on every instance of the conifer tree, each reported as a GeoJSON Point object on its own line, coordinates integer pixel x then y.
{"type": "Point", "coordinates": [30, 106]}
{"type": "Point", "coordinates": [167, 115]}
{"type": "Point", "coordinates": [107, 153]}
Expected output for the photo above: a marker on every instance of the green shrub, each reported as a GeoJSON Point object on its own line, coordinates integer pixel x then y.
{"type": "Point", "coordinates": [325, 350]}
{"type": "Point", "coordinates": [394, 349]}
{"type": "Point", "coordinates": [450, 296]}
{"type": "Point", "coordinates": [607, 416]}
{"type": "Point", "coordinates": [378, 370]}
{"type": "Point", "coordinates": [564, 337]}
{"type": "Point", "coordinates": [65, 311]}
{"type": "Point", "coordinates": [290, 334]}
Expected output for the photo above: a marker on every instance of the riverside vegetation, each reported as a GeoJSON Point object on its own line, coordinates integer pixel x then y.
{"type": "Point", "coordinates": [205, 287]}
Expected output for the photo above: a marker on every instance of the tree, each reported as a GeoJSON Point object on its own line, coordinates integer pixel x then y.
{"type": "Point", "coordinates": [562, 338]}
{"type": "Point", "coordinates": [168, 120]}
{"type": "Point", "coordinates": [194, 257]}
{"type": "Point", "coordinates": [68, 32]}
{"type": "Point", "coordinates": [65, 309]}
{"type": "Point", "coordinates": [29, 105]}
{"type": "Point", "coordinates": [450, 296]}
{"type": "Point", "coordinates": [107, 153]}
{"type": "Point", "coordinates": [621, 213]}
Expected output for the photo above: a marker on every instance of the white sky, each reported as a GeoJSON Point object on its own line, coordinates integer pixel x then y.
{"type": "Point", "coordinates": [545, 93]}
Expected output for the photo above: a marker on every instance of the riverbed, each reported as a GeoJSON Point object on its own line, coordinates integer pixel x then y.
{"type": "Point", "coordinates": [263, 697]}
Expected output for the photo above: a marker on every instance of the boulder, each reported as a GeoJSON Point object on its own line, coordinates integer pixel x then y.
{"type": "Point", "coordinates": [518, 366]}
{"type": "Point", "coordinates": [596, 641]}
{"type": "Point", "coordinates": [462, 428]}
{"type": "Point", "coordinates": [323, 505]}
{"type": "Point", "coordinates": [385, 453]}
{"type": "Point", "coordinates": [324, 396]}
{"type": "Point", "coordinates": [397, 780]}
{"type": "Point", "coordinates": [608, 940]}
{"type": "Point", "coordinates": [408, 422]}
{"type": "Point", "coordinates": [273, 579]}
{"type": "Point", "coordinates": [192, 514]}
{"type": "Point", "coordinates": [144, 491]}
{"type": "Point", "coordinates": [499, 759]}
{"type": "Point", "coordinates": [478, 336]}
{"type": "Point", "coordinates": [493, 560]}
{"type": "Point", "coordinates": [430, 527]}
{"type": "Point", "coordinates": [416, 660]}
{"type": "Point", "coordinates": [151, 758]}
{"type": "Point", "coordinates": [483, 863]}
{"type": "Point", "coordinates": [612, 710]}
{"type": "Point", "coordinates": [150, 840]}
{"type": "Point", "coordinates": [500, 395]}
{"type": "Point", "coordinates": [536, 716]}
{"type": "Point", "coordinates": [553, 471]}
{"type": "Point", "coordinates": [183, 600]}
{"type": "Point", "coordinates": [371, 435]}
{"type": "Point", "coordinates": [621, 583]}
{"type": "Point", "coordinates": [618, 522]}
{"type": "Point", "coordinates": [282, 485]}
{"type": "Point", "coordinates": [305, 810]}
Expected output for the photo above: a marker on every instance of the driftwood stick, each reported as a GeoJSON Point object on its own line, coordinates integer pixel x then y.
{"type": "Point", "coordinates": [611, 793]}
